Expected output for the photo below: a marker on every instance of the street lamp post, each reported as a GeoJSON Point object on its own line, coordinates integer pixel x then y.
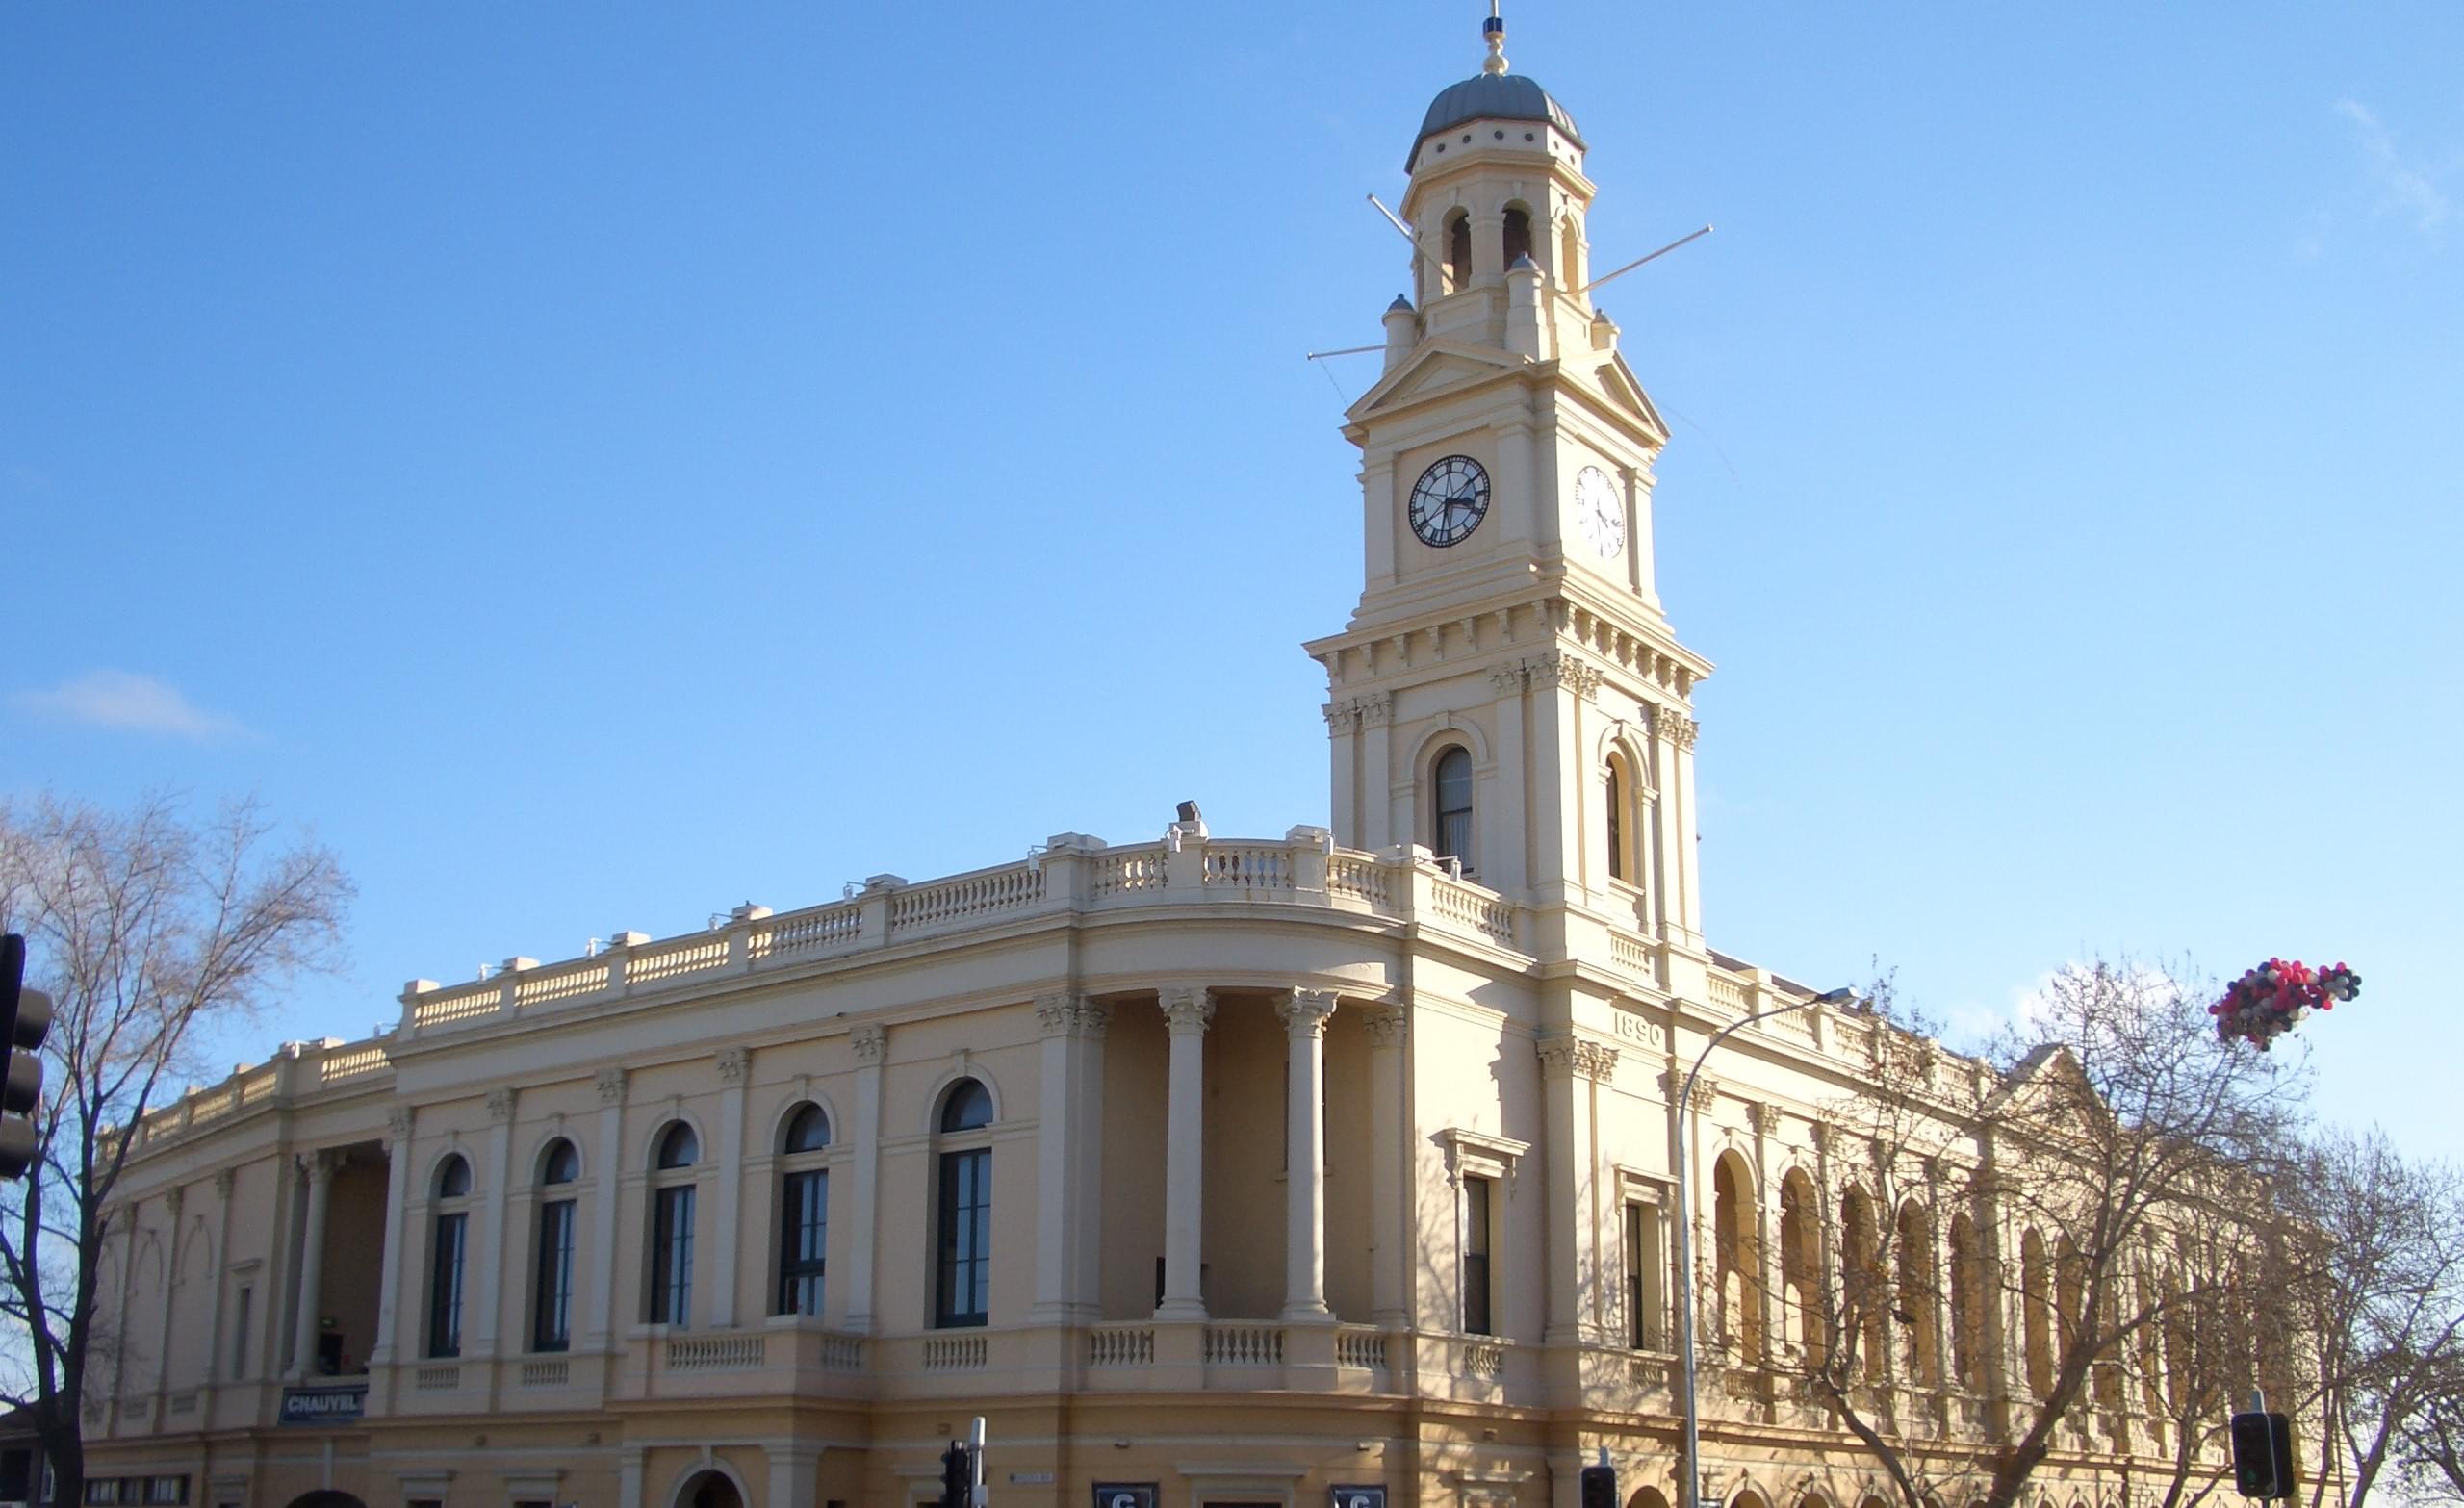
{"type": "Point", "coordinates": [1694, 1497]}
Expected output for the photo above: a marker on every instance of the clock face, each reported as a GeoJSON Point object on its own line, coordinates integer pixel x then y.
{"type": "Point", "coordinates": [1449, 500]}
{"type": "Point", "coordinates": [1602, 510]}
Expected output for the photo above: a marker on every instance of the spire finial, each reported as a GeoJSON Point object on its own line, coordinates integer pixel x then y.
{"type": "Point", "coordinates": [1493, 32]}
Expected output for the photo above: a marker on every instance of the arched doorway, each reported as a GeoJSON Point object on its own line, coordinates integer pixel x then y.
{"type": "Point", "coordinates": [708, 1490]}
{"type": "Point", "coordinates": [326, 1498]}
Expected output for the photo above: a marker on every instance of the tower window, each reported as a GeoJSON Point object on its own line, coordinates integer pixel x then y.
{"type": "Point", "coordinates": [1454, 806]}
{"type": "Point", "coordinates": [1618, 869]}
{"type": "Point", "coordinates": [1458, 252]}
{"type": "Point", "coordinates": [1518, 233]}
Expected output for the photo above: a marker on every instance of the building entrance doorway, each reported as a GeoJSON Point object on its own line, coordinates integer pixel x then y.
{"type": "Point", "coordinates": [326, 1498]}
{"type": "Point", "coordinates": [708, 1490]}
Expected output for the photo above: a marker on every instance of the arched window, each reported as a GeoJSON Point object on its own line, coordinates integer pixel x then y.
{"type": "Point", "coordinates": [964, 1207]}
{"type": "Point", "coordinates": [1916, 1291]}
{"type": "Point", "coordinates": [1454, 807]}
{"type": "Point", "coordinates": [1458, 251]}
{"type": "Point", "coordinates": [1736, 1257]}
{"type": "Point", "coordinates": [449, 1243]}
{"type": "Point", "coordinates": [552, 1277]}
{"type": "Point", "coordinates": [671, 1195]}
{"type": "Point", "coordinates": [804, 1211]}
{"type": "Point", "coordinates": [2035, 1284]}
{"type": "Point", "coordinates": [1801, 1266]}
{"type": "Point", "coordinates": [1570, 256]}
{"type": "Point", "coordinates": [1518, 233]}
{"type": "Point", "coordinates": [1614, 799]}
{"type": "Point", "coordinates": [1967, 1304]}
{"type": "Point", "coordinates": [1861, 1293]}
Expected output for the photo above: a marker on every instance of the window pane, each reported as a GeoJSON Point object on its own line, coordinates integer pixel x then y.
{"type": "Point", "coordinates": [672, 1259]}
{"type": "Point", "coordinates": [1455, 806]}
{"type": "Point", "coordinates": [445, 1288]}
{"type": "Point", "coordinates": [551, 1302]}
{"type": "Point", "coordinates": [1475, 1256]}
{"type": "Point", "coordinates": [965, 1276]}
{"type": "Point", "coordinates": [804, 1241]}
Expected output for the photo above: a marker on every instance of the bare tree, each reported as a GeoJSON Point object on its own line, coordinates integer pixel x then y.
{"type": "Point", "coordinates": [2013, 1239]}
{"type": "Point", "coordinates": [2383, 1293]}
{"type": "Point", "coordinates": [147, 930]}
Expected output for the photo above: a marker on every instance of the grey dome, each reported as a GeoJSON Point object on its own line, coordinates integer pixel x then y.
{"type": "Point", "coordinates": [1492, 96]}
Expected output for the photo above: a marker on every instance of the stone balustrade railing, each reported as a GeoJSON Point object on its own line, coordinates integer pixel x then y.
{"type": "Point", "coordinates": [1073, 873]}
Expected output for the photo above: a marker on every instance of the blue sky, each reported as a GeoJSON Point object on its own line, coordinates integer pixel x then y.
{"type": "Point", "coordinates": [597, 465]}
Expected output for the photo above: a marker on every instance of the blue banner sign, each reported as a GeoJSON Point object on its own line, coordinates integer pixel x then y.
{"type": "Point", "coordinates": [325, 1405]}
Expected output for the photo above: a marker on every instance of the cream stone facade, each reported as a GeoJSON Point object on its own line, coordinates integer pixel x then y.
{"type": "Point", "coordinates": [1243, 1168]}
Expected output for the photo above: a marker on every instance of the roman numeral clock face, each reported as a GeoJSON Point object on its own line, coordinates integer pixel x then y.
{"type": "Point", "coordinates": [1449, 500]}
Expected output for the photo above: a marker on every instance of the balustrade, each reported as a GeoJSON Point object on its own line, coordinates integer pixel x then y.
{"type": "Point", "coordinates": [1244, 1345]}
{"type": "Point", "coordinates": [955, 1353]}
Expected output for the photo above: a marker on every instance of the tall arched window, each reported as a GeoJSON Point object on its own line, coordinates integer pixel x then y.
{"type": "Point", "coordinates": [1615, 799]}
{"type": "Point", "coordinates": [2035, 1286]}
{"type": "Point", "coordinates": [448, 1245]}
{"type": "Point", "coordinates": [1453, 805]}
{"type": "Point", "coordinates": [1967, 1304]}
{"type": "Point", "coordinates": [963, 1293]}
{"type": "Point", "coordinates": [1801, 1265]}
{"type": "Point", "coordinates": [1861, 1291]}
{"type": "Point", "coordinates": [1736, 1256]}
{"type": "Point", "coordinates": [1570, 256]}
{"type": "Point", "coordinates": [1458, 251]}
{"type": "Point", "coordinates": [1518, 233]}
{"type": "Point", "coordinates": [672, 1192]}
{"type": "Point", "coordinates": [804, 1211]}
{"type": "Point", "coordinates": [1916, 1292]}
{"type": "Point", "coordinates": [552, 1277]}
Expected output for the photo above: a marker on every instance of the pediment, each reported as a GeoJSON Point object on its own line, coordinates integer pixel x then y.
{"type": "Point", "coordinates": [1617, 382]}
{"type": "Point", "coordinates": [1436, 367]}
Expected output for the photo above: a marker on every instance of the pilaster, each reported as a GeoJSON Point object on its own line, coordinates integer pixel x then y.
{"type": "Point", "coordinates": [1571, 1069]}
{"type": "Point", "coordinates": [610, 1161]}
{"type": "Point", "coordinates": [870, 1045]}
{"type": "Point", "coordinates": [734, 1065]}
{"type": "Point", "coordinates": [1068, 1158]}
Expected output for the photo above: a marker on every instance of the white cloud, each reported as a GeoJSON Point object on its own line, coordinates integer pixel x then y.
{"type": "Point", "coordinates": [129, 703]}
{"type": "Point", "coordinates": [2406, 186]}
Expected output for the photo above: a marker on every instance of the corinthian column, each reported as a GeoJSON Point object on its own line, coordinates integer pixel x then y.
{"type": "Point", "coordinates": [1305, 1221]}
{"type": "Point", "coordinates": [1186, 1014]}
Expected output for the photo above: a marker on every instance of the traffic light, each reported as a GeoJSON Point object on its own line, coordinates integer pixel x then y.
{"type": "Point", "coordinates": [25, 1018]}
{"type": "Point", "coordinates": [2263, 1455]}
{"type": "Point", "coordinates": [1599, 1486]}
{"type": "Point", "coordinates": [957, 1475]}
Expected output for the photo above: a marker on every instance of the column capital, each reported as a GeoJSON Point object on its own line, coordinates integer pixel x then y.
{"type": "Point", "coordinates": [397, 1122]}
{"type": "Point", "coordinates": [733, 1063]}
{"type": "Point", "coordinates": [318, 1166]}
{"type": "Point", "coordinates": [500, 1105]}
{"type": "Point", "coordinates": [224, 1179]}
{"type": "Point", "coordinates": [1071, 1014]}
{"type": "Point", "coordinates": [1388, 1024]}
{"type": "Point", "coordinates": [1765, 1119]}
{"type": "Point", "coordinates": [1707, 1088]}
{"type": "Point", "coordinates": [1305, 1012]}
{"type": "Point", "coordinates": [869, 1043]}
{"type": "Point", "coordinates": [611, 1085]}
{"type": "Point", "coordinates": [1187, 1013]}
{"type": "Point", "coordinates": [1574, 1057]}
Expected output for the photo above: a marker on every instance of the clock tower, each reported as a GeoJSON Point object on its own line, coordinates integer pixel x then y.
{"type": "Point", "coordinates": [1508, 693]}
